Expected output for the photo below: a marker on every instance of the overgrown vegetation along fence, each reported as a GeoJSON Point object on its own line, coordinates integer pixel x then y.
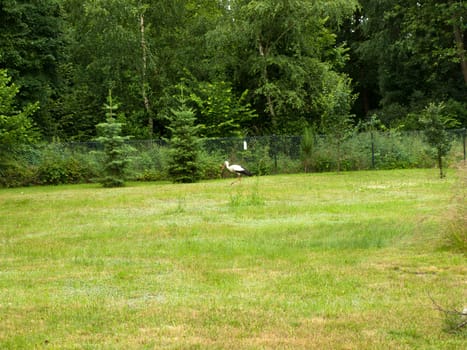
{"type": "Point", "coordinates": [60, 163]}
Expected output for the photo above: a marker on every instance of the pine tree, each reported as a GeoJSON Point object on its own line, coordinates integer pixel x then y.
{"type": "Point", "coordinates": [114, 147]}
{"type": "Point", "coordinates": [184, 144]}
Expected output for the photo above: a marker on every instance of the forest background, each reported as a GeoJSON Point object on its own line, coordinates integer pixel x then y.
{"type": "Point", "coordinates": [243, 67]}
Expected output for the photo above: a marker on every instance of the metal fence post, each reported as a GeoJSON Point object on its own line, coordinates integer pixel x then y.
{"type": "Point", "coordinates": [463, 141]}
{"type": "Point", "coordinates": [372, 150]}
{"type": "Point", "coordinates": [274, 151]}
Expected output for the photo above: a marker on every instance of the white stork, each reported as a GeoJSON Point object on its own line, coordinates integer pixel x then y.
{"type": "Point", "coordinates": [236, 169]}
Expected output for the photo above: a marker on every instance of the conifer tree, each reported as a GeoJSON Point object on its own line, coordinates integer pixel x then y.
{"type": "Point", "coordinates": [184, 146]}
{"type": "Point", "coordinates": [114, 147]}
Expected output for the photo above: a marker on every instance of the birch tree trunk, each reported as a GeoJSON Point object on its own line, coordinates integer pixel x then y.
{"type": "Point", "coordinates": [459, 38]}
{"type": "Point", "coordinates": [269, 102]}
{"type": "Point", "coordinates": [147, 106]}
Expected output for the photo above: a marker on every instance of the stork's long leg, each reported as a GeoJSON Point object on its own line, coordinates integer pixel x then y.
{"type": "Point", "coordinates": [239, 179]}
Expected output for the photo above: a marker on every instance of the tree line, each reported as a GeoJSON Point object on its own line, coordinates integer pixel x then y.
{"type": "Point", "coordinates": [243, 67]}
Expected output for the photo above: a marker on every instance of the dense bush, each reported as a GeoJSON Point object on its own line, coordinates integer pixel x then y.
{"type": "Point", "coordinates": [16, 169]}
{"type": "Point", "coordinates": [397, 151]}
{"type": "Point", "coordinates": [210, 165]}
{"type": "Point", "coordinates": [61, 165]}
{"type": "Point", "coordinates": [16, 175]}
{"type": "Point", "coordinates": [149, 162]}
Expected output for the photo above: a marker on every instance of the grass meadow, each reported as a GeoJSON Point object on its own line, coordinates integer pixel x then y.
{"type": "Point", "coordinates": [317, 261]}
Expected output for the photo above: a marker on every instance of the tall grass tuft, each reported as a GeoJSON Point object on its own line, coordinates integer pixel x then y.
{"type": "Point", "coordinates": [456, 229]}
{"type": "Point", "coordinates": [249, 197]}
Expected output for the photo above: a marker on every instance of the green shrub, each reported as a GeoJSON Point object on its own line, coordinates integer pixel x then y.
{"type": "Point", "coordinates": [15, 174]}
{"type": "Point", "coordinates": [84, 167]}
{"type": "Point", "coordinates": [150, 175]}
{"type": "Point", "coordinates": [323, 157]}
{"type": "Point", "coordinates": [51, 172]}
{"type": "Point", "coordinates": [63, 171]}
{"type": "Point", "coordinates": [149, 163]}
{"type": "Point", "coordinates": [56, 164]}
{"type": "Point", "coordinates": [357, 152]}
{"type": "Point", "coordinates": [209, 165]}
{"type": "Point", "coordinates": [287, 165]}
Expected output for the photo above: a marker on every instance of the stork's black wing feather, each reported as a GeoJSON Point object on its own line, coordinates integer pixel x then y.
{"type": "Point", "coordinates": [245, 172]}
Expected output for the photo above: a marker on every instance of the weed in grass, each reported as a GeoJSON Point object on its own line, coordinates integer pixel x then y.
{"type": "Point", "coordinates": [180, 208]}
{"type": "Point", "coordinates": [246, 196]}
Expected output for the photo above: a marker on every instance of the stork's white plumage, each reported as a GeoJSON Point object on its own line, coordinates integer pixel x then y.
{"type": "Point", "coordinates": [236, 169]}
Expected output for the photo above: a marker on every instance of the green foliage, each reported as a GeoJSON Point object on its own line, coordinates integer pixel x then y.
{"type": "Point", "coordinates": [221, 113]}
{"type": "Point", "coordinates": [150, 162]}
{"type": "Point", "coordinates": [400, 151]}
{"type": "Point", "coordinates": [116, 152]}
{"type": "Point", "coordinates": [257, 67]}
{"type": "Point", "coordinates": [16, 127]}
{"type": "Point", "coordinates": [436, 122]}
{"type": "Point", "coordinates": [32, 45]}
{"type": "Point", "coordinates": [17, 174]}
{"type": "Point", "coordinates": [60, 165]}
{"type": "Point", "coordinates": [184, 144]}
{"type": "Point", "coordinates": [51, 172]}
{"type": "Point", "coordinates": [49, 164]}
{"type": "Point", "coordinates": [336, 101]}
{"type": "Point", "coordinates": [208, 165]}
{"type": "Point", "coordinates": [404, 54]}
{"type": "Point", "coordinates": [392, 150]}
{"type": "Point", "coordinates": [277, 50]}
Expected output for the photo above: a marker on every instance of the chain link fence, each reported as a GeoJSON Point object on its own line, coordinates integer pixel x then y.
{"type": "Point", "coordinates": [361, 151]}
{"type": "Point", "coordinates": [283, 154]}
{"type": "Point", "coordinates": [74, 162]}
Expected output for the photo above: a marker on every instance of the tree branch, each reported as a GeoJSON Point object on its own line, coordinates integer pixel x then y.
{"type": "Point", "coordinates": [462, 314]}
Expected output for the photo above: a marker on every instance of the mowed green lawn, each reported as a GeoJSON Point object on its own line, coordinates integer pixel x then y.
{"type": "Point", "coordinates": [318, 261]}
